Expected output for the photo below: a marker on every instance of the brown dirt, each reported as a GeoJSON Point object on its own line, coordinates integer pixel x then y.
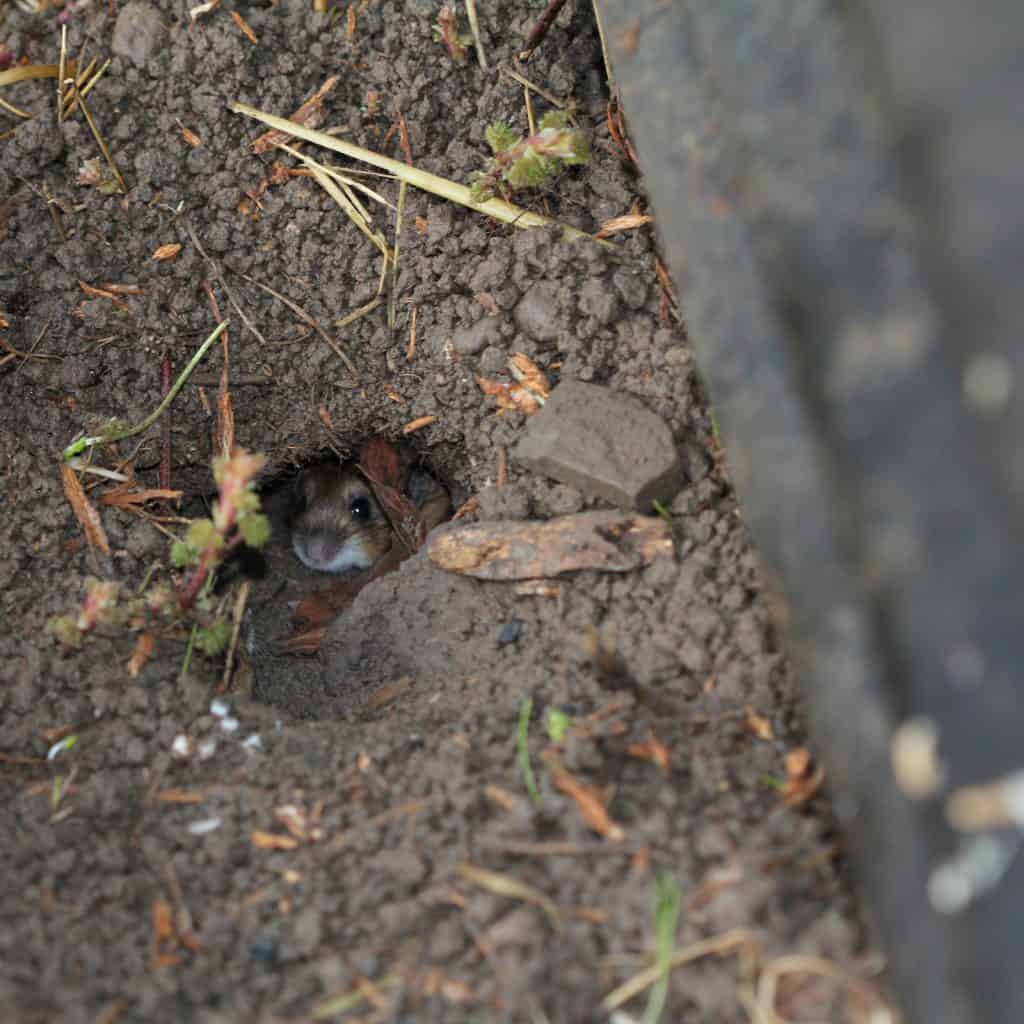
{"type": "Point", "coordinates": [396, 732]}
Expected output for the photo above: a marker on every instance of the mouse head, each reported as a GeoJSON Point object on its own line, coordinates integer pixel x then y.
{"type": "Point", "coordinates": [336, 523]}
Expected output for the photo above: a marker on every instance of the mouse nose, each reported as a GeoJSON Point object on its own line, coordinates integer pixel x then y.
{"type": "Point", "coordinates": [319, 549]}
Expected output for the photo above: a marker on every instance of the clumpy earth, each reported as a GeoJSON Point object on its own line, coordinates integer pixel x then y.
{"type": "Point", "coordinates": [350, 836]}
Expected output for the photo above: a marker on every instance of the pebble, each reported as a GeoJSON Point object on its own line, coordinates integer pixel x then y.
{"type": "Point", "coordinates": [467, 341]}
{"type": "Point", "coordinates": [139, 32]}
{"type": "Point", "coordinates": [605, 444]}
{"type": "Point", "coordinates": [537, 313]}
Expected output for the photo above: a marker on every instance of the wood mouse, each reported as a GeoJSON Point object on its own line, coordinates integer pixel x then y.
{"type": "Point", "coordinates": [337, 524]}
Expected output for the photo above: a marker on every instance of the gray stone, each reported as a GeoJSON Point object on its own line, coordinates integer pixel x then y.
{"type": "Point", "coordinates": [598, 300]}
{"type": "Point", "coordinates": [139, 32]}
{"type": "Point", "coordinates": [467, 341]}
{"type": "Point", "coordinates": [537, 313]}
{"type": "Point", "coordinates": [604, 444]}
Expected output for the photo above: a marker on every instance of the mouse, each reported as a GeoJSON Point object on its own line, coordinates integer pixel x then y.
{"type": "Point", "coordinates": [338, 526]}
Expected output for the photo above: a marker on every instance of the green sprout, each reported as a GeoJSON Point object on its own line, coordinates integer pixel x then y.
{"type": "Point", "coordinates": [529, 162]}
{"type": "Point", "coordinates": [207, 543]}
{"type": "Point", "coordinates": [666, 921]}
{"type": "Point", "coordinates": [446, 31]}
{"type": "Point", "coordinates": [558, 724]}
{"type": "Point", "coordinates": [525, 709]}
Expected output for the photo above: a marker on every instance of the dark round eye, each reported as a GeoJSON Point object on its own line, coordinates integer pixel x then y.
{"type": "Point", "coordinates": [360, 508]}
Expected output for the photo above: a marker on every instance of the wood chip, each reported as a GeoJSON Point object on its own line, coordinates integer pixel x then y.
{"type": "Point", "coordinates": [271, 841]}
{"type": "Point", "coordinates": [606, 541]}
{"type": "Point", "coordinates": [418, 424]}
{"type": "Point", "coordinates": [141, 654]}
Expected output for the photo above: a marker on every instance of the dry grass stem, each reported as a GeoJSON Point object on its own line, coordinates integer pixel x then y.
{"type": "Point", "coordinates": [393, 296]}
{"type": "Point", "coordinates": [527, 84]}
{"type": "Point", "coordinates": [500, 210]}
{"type": "Point", "coordinates": [474, 28]}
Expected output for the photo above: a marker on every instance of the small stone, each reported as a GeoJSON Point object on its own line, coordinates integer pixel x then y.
{"type": "Point", "coordinates": [604, 444]}
{"type": "Point", "coordinates": [467, 341]}
{"type": "Point", "coordinates": [598, 301]}
{"type": "Point", "coordinates": [537, 313]}
{"type": "Point", "coordinates": [510, 632]}
{"type": "Point", "coordinates": [139, 32]}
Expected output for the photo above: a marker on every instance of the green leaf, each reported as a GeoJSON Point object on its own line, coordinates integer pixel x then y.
{"type": "Point", "coordinates": [558, 724]}
{"type": "Point", "coordinates": [500, 136]}
{"type": "Point", "coordinates": [213, 639]}
{"type": "Point", "coordinates": [181, 554]}
{"type": "Point", "coordinates": [255, 529]}
{"type": "Point", "coordinates": [552, 119]}
{"type": "Point", "coordinates": [525, 708]}
{"type": "Point", "coordinates": [200, 534]}
{"type": "Point", "coordinates": [529, 171]}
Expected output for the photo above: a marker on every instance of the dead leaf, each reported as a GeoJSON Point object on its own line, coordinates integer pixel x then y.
{"type": "Point", "coordinates": [271, 841]}
{"type": "Point", "coordinates": [166, 252]}
{"type": "Point", "coordinates": [103, 293]}
{"type": "Point", "coordinates": [803, 781]}
{"type": "Point", "coordinates": [188, 135]}
{"type": "Point", "coordinates": [510, 397]}
{"type": "Point", "coordinates": [122, 496]}
{"type": "Point", "coordinates": [530, 375]}
{"type": "Point", "coordinates": [606, 541]}
{"type": "Point", "coordinates": [163, 940]}
{"type": "Point", "coordinates": [757, 725]}
{"type": "Point", "coordinates": [85, 512]}
{"type": "Point", "coordinates": [588, 803]}
{"type": "Point", "coordinates": [141, 654]}
{"type": "Point", "coordinates": [488, 301]}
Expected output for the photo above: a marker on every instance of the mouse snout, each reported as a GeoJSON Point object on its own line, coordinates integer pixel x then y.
{"type": "Point", "coordinates": [326, 552]}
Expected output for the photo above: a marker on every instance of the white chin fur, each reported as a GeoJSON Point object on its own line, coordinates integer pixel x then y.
{"type": "Point", "coordinates": [350, 556]}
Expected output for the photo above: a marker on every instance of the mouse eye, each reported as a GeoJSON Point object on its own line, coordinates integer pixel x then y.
{"type": "Point", "coordinates": [360, 508]}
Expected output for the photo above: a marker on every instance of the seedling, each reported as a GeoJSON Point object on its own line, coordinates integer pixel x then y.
{"type": "Point", "coordinates": [525, 767]}
{"type": "Point", "coordinates": [207, 544]}
{"type": "Point", "coordinates": [666, 921]}
{"type": "Point", "coordinates": [446, 31]}
{"type": "Point", "coordinates": [532, 161]}
{"type": "Point", "coordinates": [558, 725]}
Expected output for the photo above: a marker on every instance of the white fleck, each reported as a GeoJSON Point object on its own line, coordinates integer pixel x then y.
{"type": "Point", "coordinates": [253, 742]}
{"type": "Point", "coordinates": [914, 753]}
{"type": "Point", "coordinates": [219, 708]}
{"type": "Point", "coordinates": [182, 746]}
{"type": "Point", "coordinates": [207, 748]}
{"type": "Point", "coordinates": [204, 827]}
{"type": "Point", "coordinates": [229, 724]}
{"type": "Point", "coordinates": [60, 746]}
{"type": "Point", "coordinates": [979, 866]}
{"type": "Point", "coordinates": [988, 382]}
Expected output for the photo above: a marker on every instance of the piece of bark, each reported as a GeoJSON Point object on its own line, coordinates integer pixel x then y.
{"type": "Point", "coordinates": [606, 541]}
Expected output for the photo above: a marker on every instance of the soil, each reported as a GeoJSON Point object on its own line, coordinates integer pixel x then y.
{"type": "Point", "coordinates": [396, 749]}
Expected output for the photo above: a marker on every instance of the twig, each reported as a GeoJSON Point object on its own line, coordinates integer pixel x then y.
{"type": "Point", "coordinates": [121, 183]}
{"type": "Point", "coordinates": [219, 274]}
{"type": "Point", "coordinates": [609, 74]}
{"type": "Point", "coordinates": [527, 84]}
{"type": "Point", "coordinates": [450, 190]}
{"type": "Point", "coordinates": [308, 320]}
{"type": "Point", "coordinates": [60, 72]}
{"type": "Point", "coordinates": [474, 27]}
{"type": "Point", "coordinates": [236, 627]}
{"type": "Point", "coordinates": [540, 30]}
{"type": "Point", "coordinates": [392, 298]}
